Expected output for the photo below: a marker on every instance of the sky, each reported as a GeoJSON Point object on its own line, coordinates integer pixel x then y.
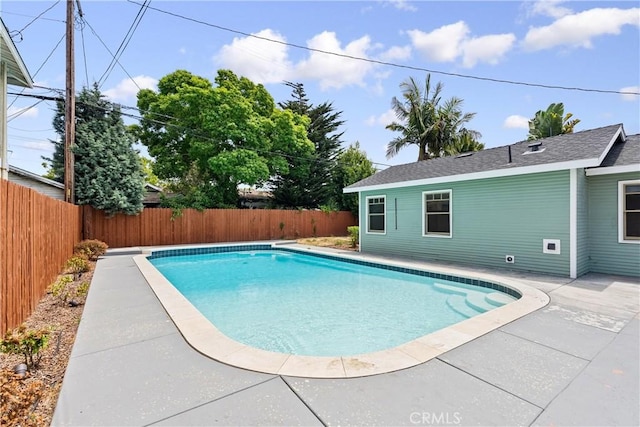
{"type": "Point", "coordinates": [593, 46]}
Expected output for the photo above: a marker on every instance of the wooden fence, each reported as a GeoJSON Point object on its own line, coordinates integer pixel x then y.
{"type": "Point", "coordinates": [37, 235]}
{"type": "Point", "coordinates": [156, 227]}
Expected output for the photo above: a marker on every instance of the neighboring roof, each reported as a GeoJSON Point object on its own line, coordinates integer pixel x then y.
{"type": "Point", "coordinates": [576, 150]}
{"type": "Point", "coordinates": [35, 177]}
{"type": "Point", "coordinates": [17, 73]}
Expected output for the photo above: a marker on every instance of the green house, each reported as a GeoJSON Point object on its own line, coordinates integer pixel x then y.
{"type": "Point", "coordinates": [565, 205]}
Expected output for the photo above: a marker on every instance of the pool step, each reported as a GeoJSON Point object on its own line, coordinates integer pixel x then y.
{"type": "Point", "coordinates": [498, 299]}
{"type": "Point", "coordinates": [477, 301]}
{"type": "Point", "coordinates": [458, 303]}
{"type": "Point", "coordinates": [451, 289]}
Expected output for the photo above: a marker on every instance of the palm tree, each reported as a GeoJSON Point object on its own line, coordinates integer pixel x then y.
{"type": "Point", "coordinates": [465, 142]}
{"type": "Point", "coordinates": [550, 122]}
{"type": "Point", "coordinates": [423, 121]}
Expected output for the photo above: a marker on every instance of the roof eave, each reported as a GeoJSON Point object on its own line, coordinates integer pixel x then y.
{"type": "Point", "coordinates": [12, 57]}
{"type": "Point", "coordinates": [496, 173]}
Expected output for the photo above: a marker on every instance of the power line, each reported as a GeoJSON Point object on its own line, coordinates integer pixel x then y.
{"type": "Point", "coordinates": [125, 42]}
{"type": "Point", "coordinates": [84, 51]}
{"type": "Point", "coordinates": [110, 53]}
{"type": "Point", "coordinates": [158, 122]}
{"type": "Point", "coordinates": [389, 64]}
{"type": "Point", "coordinates": [40, 67]}
{"type": "Point", "coordinates": [19, 32]}
{"type": "Point", "coordinates": [31, 16]}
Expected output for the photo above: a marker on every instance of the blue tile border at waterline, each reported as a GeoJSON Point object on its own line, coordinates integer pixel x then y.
{"type": "Point", "coordinates": [267, 247]}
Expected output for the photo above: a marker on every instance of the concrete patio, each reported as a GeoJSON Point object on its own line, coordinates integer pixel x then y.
{"type": "Point", "coordinates": [573, 362]}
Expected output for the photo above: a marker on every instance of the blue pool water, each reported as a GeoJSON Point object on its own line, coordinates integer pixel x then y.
{"type": "Point", "coordinates": [302, 304]}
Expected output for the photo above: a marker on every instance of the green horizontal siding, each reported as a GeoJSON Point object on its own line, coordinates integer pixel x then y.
{"type": "Point", "coordinates": [491, 218]}
{"type": "Point", "coordinates": [607, 255]}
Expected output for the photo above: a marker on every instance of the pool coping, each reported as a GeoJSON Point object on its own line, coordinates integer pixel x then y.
{"type": "Point", "coordinates": [205, 338]}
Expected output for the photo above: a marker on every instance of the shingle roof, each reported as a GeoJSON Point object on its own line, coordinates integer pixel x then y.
{"type": "Point", "coordinates": [587, 146]}
{"type": "Point", "coordinates": [624, 154]}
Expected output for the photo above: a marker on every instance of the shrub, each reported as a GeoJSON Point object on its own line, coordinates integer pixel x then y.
{"type": "Point", "coordinates": [60, 288]}
{"type": "Point", "coordinates": [76, 265]}
{"type": "Point", "coordinates": [354, 234]}
{"type": "Point", "coordinates": [90, 249]}
{"type": "Point", "coordinates": [28, 342]}
{"type": "Point", "coordinates": [17, 400]}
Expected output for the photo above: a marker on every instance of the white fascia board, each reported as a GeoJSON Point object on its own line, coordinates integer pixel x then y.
{"type": "Point", "coordinates": [610, 170]}
{"type": "Point", "coordinates": [499, 173]}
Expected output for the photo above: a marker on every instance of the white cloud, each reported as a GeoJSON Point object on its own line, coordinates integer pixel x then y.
{"type": "Point", "coordinates": [403, 5]}
{"type": "Point", "coordinates": [263, 61]}
{"type": "Point", "coordinates": [182, 50]}
{"type": "Point", "coordinates": [550, 8]}
{"type": "Point", "coordinates": [335, 71]}
{"type": "Point", "coordinates": [578, 29]}
{"type": "Point", "coordinates": [259, 60]}
{"type": "Point", "coordinates": [441, 44]}
{"type": "Point", "coordinates": [516, 122]}
{"type": "Point", "coordinates": [127, 91]}
{"type": "Point", "coordinates": [490, 49]}
{"type": "Point", "coordinates": [396, 53]}
{"type": "Point", "coordinates": [383, 119]}
{"type": "Point", "coordinates": [39, 145]}
{"type": "Point", "coordinates": [451, 42]}
{"type": "Point", "coordinates": [22, 112]}
{"type": "Point", "coordinates": [629, 97]}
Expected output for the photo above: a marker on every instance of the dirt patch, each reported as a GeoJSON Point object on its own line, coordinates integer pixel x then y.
{"type": "Point", "coordinates": [31, 401]}
{"type": "Point", "coordinates": [340, 242]}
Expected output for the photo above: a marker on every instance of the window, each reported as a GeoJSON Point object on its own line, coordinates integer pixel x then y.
{"type": "Point", "coordinates": [629, 215]}
{"type": "Point", "coordinates": [375, 214]}
{"type": "Point", "coordinates": [437, 213]}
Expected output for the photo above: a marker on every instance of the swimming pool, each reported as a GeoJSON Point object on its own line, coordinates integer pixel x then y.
{"type": "Point", "coordinates": [303, 304]}
{"type": "Point", "coordinates": [207, 339]}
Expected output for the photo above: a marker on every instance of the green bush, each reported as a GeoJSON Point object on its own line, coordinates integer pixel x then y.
{"type": "Point", "coordinates": [90, 249]}
{"type": "Point", "coordinates": [76, 265]}
{"type": "Point", "coordinates": [60, 288]}
{"type": "Point", "coordinates": [354, 234]}
{"type": "Point", "coordinates": [28, 342]}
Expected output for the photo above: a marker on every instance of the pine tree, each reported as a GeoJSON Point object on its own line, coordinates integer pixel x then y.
{"type": "Point", "coordinates": [108, 172]}
{"type": "Point", "coordinates": [309, 182]}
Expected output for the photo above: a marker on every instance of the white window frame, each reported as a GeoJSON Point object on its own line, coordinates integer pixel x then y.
{"type": "Point", "coordinates": [384, 223]}
{"type": "Point", "coordinates": [424, 214]}
{"type": "Point", "coordinates": [621, 210]}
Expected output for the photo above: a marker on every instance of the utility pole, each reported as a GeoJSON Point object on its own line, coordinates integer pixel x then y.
{"type": "Point", "coordinates": [70, 110]}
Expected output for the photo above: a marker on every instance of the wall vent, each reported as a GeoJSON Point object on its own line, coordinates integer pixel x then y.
{"type": "Point", "coordinates": [551, 246]}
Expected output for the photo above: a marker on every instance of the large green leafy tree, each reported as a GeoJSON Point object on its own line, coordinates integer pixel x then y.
{"type": "Point", "coordinates": [425, 120]}
{"type": "Point", "coordinates": [550, 122]}
{"type": "Point", "coordinates": [108, 173]}
{"type": "Point", "coordinates": [309, 181]}
{"type": "Point", "coordinates": [352, 166]}
{"type": "Point", "coordinates": [206, 140]}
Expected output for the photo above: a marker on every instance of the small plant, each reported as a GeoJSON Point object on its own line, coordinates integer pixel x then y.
{"type": "Point", "coordinates": [60, 288]}
{"type": "Point", "coordinates": [90, 249]}
{"type": "Point", "coordinates": [28, 342]}
{"type": "Point", "coordinates": [76, 265]}
{"type": "Point", "coordinates": [281, 225]}
{"type": "Point", "coordinates": [354, 234]}
{"type": "Point", "coordinates": [313, 223]}
{"type": "Point", "coordinates": [82, 290]}
{"type": "Point", "coordinates": [17, 400]}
